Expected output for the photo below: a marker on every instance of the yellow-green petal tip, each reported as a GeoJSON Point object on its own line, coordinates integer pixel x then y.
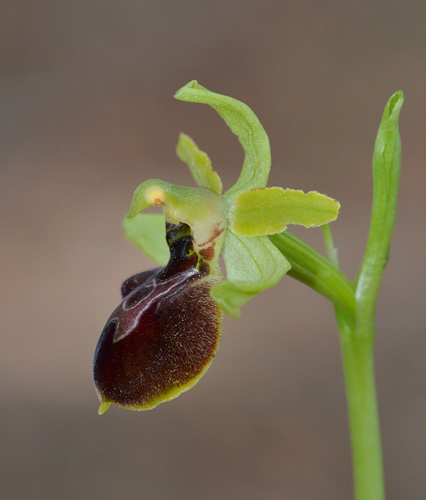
{"type": "Point", "coordinates": [104, 407]}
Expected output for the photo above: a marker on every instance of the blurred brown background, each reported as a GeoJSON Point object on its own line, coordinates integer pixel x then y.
{"type": "Point", "coordinates": [86, 115]}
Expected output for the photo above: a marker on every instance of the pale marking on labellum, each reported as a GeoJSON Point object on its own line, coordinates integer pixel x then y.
{"type": "Point", "coordinates": [148, 302]}
{"type": "Point", "coordinates": [154, 284]}
{"type": "Point", "coordinates": [125, 304]}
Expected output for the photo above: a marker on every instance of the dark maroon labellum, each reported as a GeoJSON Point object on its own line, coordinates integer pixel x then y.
{"type": "Point", "coordinates": [163, 336]}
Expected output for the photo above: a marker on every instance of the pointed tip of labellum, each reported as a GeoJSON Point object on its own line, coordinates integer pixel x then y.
{"type": "Point", "coordinates": [104, 406]}
{"type": "Point", "coordinates": [163, 336]}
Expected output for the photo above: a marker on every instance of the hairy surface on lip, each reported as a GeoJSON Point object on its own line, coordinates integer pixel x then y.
{"type": "Point", "coordinates": [174, 339]}
{"type": "Point", "coordinates": [164, 333]}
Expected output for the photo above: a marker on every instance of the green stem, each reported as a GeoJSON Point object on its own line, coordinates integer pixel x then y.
{"type": "Point", "coordinates": [309, 267]}
{"type": "Point", "coordinates": [357, 348]}
{"type": "Point", "coordinates": [355, 306]}
{"type": "Point", "coordinates": [358, 362]}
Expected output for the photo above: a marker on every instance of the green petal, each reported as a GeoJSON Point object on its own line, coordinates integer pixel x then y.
{"type": "Point", "coordinates": [199, 164]}
{"type": "Point", "coordinates": [148, 233]}
{"type": "Point", "coordinates": [269, 210]}
{"type": "Point", "coordinates": [252, 265]}
{"type": "Point", "coordinates": [244, 123]}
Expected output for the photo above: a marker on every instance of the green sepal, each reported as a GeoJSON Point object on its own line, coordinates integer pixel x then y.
{"type": "Point", "coordinates": [269, 210]}
{"type": "Point", "coordinates": [148, 232]}
{"type": "Point", "coordinates": [199, 164]}
{"type": "Point", "coordinates": [252, 265]}
{"type": "Point", "coordinates": [243, 123]}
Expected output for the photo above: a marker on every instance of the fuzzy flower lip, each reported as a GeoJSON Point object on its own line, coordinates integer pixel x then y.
{"type": "Point", "coordinates": [235, 224]}
{"type": "Point", "coordinates": [161, 339]}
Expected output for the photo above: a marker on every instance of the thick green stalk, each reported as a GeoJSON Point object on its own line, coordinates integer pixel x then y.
{"type": "Point", "coordinates": [357, 349]}
{"type": "Point", "coordinates": [358, 363]}
{"type": "Point", "coordinates": [311, 268]}
{"type": "Point", "coordinates": [355, 306]}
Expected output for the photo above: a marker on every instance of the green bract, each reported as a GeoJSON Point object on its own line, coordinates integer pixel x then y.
{"type": "Point", "coordinates": [235, 224]}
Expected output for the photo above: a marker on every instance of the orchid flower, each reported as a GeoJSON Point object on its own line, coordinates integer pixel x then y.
{"type": "Point", "coordinates": [162, 337]}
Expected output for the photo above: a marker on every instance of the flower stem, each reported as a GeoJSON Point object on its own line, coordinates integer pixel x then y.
{"type": "Point", "coordinates": [311, 268]}
{"type": "Point", "coordinates": [358, 362]}
{"type": "Point", "coordinates": [358, 365]}
{"type": "Point", "coordinates": [358, 347]}
{"type": "Point", "coordinates": [355, 304]}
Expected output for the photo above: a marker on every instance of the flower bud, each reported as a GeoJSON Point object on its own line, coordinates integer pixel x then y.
{"type": "Point", "coordinates": [164, 334]}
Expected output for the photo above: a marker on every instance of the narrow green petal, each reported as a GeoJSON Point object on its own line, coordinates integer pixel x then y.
{"type": "Point", "coordinates": [269, 210]}
{"type": "Point", "coordinates": [148, 233]}
{"type": "Point", "coordinates": [252, 265]}
{"type": "Point", "coordinates": [199, 164]}
{"type": "Point", "coordinates": [244, 123]}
